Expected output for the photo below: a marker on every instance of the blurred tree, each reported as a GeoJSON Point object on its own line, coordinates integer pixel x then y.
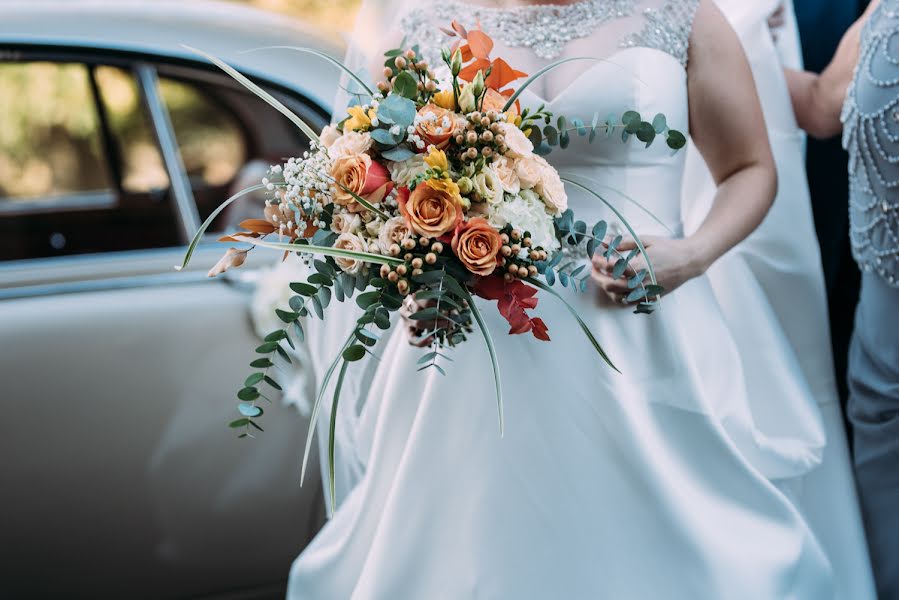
{"type": "Point", "coordinates": [331, 14]}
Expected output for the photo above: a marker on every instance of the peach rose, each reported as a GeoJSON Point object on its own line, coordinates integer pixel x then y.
{"type": "Point", "coordinates": [394, 231]}
{"type": "Point", "coordinates": [358, 174]}
{"type": "Point", "coordinates": [476, 244]}
{"type": "Point", "coordinates": [433, 208]}
{"type": "Point", "coordinates": [436, 126]}
{"type": "Point", "coordinates": [349, 241]}
{"type": "Point", "coordinates": [518, 143]}
{"type": "Point", "coordinates": [495, 101]}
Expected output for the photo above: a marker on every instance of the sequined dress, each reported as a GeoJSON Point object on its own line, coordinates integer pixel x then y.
{"type": "Point", "coordinates": [656, 483]}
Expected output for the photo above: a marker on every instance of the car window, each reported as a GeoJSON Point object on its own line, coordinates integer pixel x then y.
{"type": "Point", "coordinates": [50, 139]}
{"type": "Point", "coordinates": [209, 135]}
{"type": "Point", "coordinates": [228, 140]}
{"type": "Point", "coordinates": [141, 164]}
{"type": "Point", "coordinates": [79, 172]}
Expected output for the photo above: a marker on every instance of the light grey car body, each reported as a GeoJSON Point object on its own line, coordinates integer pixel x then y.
{"type": "Point", "coordinates": [120, 477]}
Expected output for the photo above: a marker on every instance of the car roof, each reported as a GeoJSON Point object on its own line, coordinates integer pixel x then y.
{"type": "Point", "coordinates": [163, 27]}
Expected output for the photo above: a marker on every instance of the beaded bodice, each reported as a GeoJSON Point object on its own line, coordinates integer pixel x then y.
{"type": "Point", "coordinates": [548, 28]}
{"type": "Point", "coordinates": [871, 136]}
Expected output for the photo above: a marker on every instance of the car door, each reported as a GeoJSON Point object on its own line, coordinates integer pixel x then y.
{"type": "Point", "coordinates": [120, 476]}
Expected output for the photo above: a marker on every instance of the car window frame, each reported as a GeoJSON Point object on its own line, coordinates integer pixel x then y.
{"type": "Point", "coordinates": [107, 270]}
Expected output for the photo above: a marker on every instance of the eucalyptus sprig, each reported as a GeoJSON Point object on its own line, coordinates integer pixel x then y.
{"type": "Point", "coordinates": [631, 123]}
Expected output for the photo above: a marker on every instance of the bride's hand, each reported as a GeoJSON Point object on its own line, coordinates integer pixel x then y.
{"type": "Point", "coordinates": [674, 261]}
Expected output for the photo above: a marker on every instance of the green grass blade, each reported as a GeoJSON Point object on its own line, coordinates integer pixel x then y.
{"type": "Point", "coordinates": [364, 202]}
{"type": "Point", "coordinates": [493, 358]}
{"type": "Point", "coordinates": [631, 200]}
{"type": "Point", "coordinates": [652, 274]}
{"type": "Point", "coordinates": [540, 73]}
{"type": "Point", "coordinates": [331, 430]}
{"type": "Point", "coordinates": [369, 257]}
{"type": "Point", "coordinates": [261, 93]}
{"type": "Point", "coordinates": [316, 408]}
{"type": "Point", "coordinates": [199, 235]}
{"type": "Point", "coordinates": [539, 284]}
{"type": "Point", "coordinates": [320, 54]}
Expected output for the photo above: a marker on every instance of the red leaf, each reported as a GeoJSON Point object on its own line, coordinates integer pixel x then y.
{"type": "Point", "coordinates": [540, 330]}
{"type": "Point", "coordinates": [458, 28]}
{"type": "Point", "coordinates": [465, 53]}
{"type": "Point", "coordinates": [513, 300]}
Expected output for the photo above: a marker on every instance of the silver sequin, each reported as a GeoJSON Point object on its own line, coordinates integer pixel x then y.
{"type": "Point", "coordinates": [546, 29]}
{"type": "Point", "coordinates": [871, 136]}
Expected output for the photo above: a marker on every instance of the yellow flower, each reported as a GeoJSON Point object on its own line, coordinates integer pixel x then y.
{"type": "Point", "coordinates": [358, 119]}
{"type": "Point", "coordinates": [447, 186]}
{"type": "Point", "coordinates": [436, 159]}
{"type": "Point", "coordinates": [445, 99]}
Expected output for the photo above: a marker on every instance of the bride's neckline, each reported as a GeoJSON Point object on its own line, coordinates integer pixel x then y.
{"type": "Point", "coordinates": [515, 7]}
{"type": "Point", "coordinates": [545, 28]}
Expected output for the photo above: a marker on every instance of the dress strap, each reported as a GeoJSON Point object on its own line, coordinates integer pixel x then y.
{"type": "Point", "coordinates": [667, 28]}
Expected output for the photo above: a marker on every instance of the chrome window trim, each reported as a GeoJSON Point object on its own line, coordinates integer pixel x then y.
{"type": "Point", "coordinates": [119, 270]}
{"type": "Point", "coordinates": [103, 285]}
{"type": "Point", "coordinates": [13, 206]}
{"type": "Point", "coordinates": [187, 213]}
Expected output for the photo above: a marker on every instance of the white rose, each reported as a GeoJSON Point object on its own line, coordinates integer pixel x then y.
{"type": "Point", "coordinates": [552, 190]}
{"type": "Point", "coordinates": [350, 241]}
{"type": "Point", "coordinates": [329, 135]}
{"type": "Point", "coordinates": [526, 212]}
{"type": "Point", "coordinates": [505, 172]}
{"type": "Point", "coordinates": [402, 173]}
{"type": "Point", "coordinates": [488, 186]}
{"type": "Point", "coordinates": [518, 143]}
{"type": "Point", "coordinates": [345, 222]}
{"type": "Point", "coordinates": [349, 144]}
{"type": "Point", "coordinates": [394, 231]}
{"type": "Point", "coordinates": [529, 171]}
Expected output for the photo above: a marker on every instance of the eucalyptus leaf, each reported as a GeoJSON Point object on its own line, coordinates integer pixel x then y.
{"type": "Point", "coordinates": [405, 85]}
{"type": "Point", "coordinates": [353, 353]}
{"type": "Point", "coordinates": [249, 410]}
{"type": "Point", "coordinates": [660, 123]}
{"type": "Point", "coordinates": [303, 288]}
{"type": "Point", "coordinates": [248, 394]}
{"type": "Point", "coordinates": [253, 379]}
{"type": "Point", "coordinates": [398, 153]}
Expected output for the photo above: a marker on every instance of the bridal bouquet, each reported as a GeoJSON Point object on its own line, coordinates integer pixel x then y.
{"type": "Point", "coordinates": [425, 196]}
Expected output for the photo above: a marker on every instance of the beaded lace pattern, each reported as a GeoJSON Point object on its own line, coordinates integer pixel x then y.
{"type": "Point", "coordinates": [871, 136]}
{"type": "Point", "coordinates": [547, 29]}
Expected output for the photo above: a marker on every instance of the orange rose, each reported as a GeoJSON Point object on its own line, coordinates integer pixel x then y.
{"type": "Point", "coordinates": [477, 244]}
{"type": "Point", "coordinates": [359, 174]}
{"type": "Point", "coordinates": [433, 208]}
{"type": "Point", "coordinates": [436, 126]}
{"type": "Point", "coordinates": [495, 101]}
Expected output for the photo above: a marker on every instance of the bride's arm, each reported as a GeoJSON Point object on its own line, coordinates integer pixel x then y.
{"type": "Point", "coordinates": [728, 128]}
{"type": "Point", "coordinates": [818, 99]}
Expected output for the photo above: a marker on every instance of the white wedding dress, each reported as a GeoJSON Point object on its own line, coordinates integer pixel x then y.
{"type": "Point", "coordinates": [659, 482]}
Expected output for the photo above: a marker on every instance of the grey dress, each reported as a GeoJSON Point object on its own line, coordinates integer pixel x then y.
{"type": "Point", "coordinates": [871, 136]}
